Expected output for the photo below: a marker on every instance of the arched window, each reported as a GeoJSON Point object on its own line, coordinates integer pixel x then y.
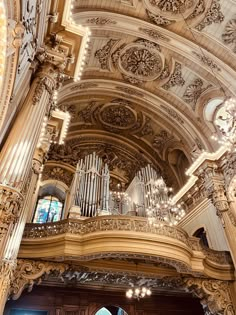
{"type": "Point", "coordinates": [103, 311]}
{"type": "Point", "coordinates": [49, 209]}
{"type": "Point", "coordinates": [49, 205]}
{"type": "Point", "coordinates": [111, 310]}
{"type": "Point", "coordinates": [201, 233]}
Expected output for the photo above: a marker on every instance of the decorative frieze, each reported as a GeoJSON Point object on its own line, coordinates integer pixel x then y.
{"type": "Point", "coordinates": [11, 202]}
{"type": "Point", "coordinates": [100, 21]}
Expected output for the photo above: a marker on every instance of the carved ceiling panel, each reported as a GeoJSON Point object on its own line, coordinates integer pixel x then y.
{"type": "Point", "coordinates": [151, 67]}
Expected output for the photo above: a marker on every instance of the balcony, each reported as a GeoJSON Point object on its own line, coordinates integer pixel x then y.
{"type": "Point", "coordinates": [118, 238]}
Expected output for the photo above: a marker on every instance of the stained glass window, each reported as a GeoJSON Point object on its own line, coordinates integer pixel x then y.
{"type": "Point", "coordinates": [49, 209]}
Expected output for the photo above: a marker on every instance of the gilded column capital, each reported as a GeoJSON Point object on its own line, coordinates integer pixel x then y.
{"type": "Point", "coordinates": [11, 202]}
{"type": "Point", "coordinates": [30, 272]}
{"type": "Point", "coordinates": [214, 295]}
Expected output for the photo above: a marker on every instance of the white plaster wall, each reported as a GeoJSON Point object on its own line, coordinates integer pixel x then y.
{"type": "Point", "coordinates": [205, 216]}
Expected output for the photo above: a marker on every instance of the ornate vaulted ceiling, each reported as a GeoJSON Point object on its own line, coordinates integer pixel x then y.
{"type": "Point", "coordinates": [151, 68]}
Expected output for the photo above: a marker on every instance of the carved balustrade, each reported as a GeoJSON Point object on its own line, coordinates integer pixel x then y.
{"type": "Point", "coordinates": [107, 226]}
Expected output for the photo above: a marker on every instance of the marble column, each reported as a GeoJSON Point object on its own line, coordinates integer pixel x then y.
{"type": "Point", "coordinates": [16, 176]}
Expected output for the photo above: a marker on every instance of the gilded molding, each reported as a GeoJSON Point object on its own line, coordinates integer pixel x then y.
{"type": "Point", "coordinates": [30, 272]}
{"type": "Point", "coordinates": [214, 295]}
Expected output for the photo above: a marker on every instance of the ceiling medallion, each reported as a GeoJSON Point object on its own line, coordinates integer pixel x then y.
{"type": "Point", "coordinates": [118, 116]}
{"type": "Point", "coordinates": [140, 60]}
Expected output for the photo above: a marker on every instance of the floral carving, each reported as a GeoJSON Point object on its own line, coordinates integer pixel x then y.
{"type": "Point", "coordinates": [29, 272]}
{"type": "Point", "coordinates": [161, 140]}
{"type": "Point", "coordinates": [207, 61]}
{"type": "Point", "coordinates": [132, 80]}
{"type": "Point", "coordinates": [118, 116]}
{"type": "Point", "coordinates": [213, 15]}
{"type": "Point", "coordinates": [63, 153]}
{"type": "Point", "coordinates": [57, 173]}
{"type": "Point", "coordinates": [129, 91]}
{"type": "Point", "coordinates": [199, 9]}
{"type": "Point", "coordinates": [11, 202]}
{"type": "Point", "coordinates": [100, 21]}
{"type": "Point", "coordinates": [229, 35]}
{"type": "Point", "coordinates": [173, 6]}
{"type": "Point", "coordinates": [153, 34]}
{"type": "Point", "coordinates": [173, 114]}
{"type": "Point", "coordinates": [83, 86]}
{"type": "Point", "coordinates": [193, 92]}
{"type": "Point", "coordinates": [176, 78]}
{"type": "Point", "coordinates": [103, 54]}
{"type": "Point", "coordinates": [158, 19]}
{"type": "Point", "coordinates": [141, 62]}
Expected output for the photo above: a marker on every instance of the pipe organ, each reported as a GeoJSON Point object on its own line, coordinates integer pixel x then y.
{"type": "Point", "coordinates": [90, 187]}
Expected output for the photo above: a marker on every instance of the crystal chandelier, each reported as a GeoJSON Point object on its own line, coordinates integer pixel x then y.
{"type": "Point", "coordinates": [120, 200]}
{"type": "Point", "coordinates": [138, 292]}
{"type": "Point", "coordinates": [160, 207]}
{"type": "Point", "coordinates": [227, 125]}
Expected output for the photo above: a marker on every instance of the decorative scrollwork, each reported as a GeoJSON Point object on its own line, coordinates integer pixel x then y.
{"type": "Point", "coordinates": [29, 272]}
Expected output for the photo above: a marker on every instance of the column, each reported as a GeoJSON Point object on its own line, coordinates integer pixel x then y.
{"type": "Point", "coordinates": [16, 177]}
{"type": "Point", "coordinates": [214, 183]}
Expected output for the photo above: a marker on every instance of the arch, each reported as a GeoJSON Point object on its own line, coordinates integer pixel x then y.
{"type": "Point", "coordinates": [110, 310]}
{"type": "Point", "coordinates": [201, 234]}
{"type": "Point", "coordinates": [50, 204]}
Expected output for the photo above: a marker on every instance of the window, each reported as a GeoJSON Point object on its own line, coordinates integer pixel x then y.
{"type": "Point", "coordinates": [201, 233]}
{"type": "Point", "coordinates": [103, 311]}
{"type": "Point", "coordinates": [48, 209]}
{"type": "Point", "coordinates": [27, 312]}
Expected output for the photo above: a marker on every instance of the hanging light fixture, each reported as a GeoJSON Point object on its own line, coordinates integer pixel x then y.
{"type": "Point", "coordinates": [120, 200]}
{"type": "Point", "coordinates": [137, 289]}
{"type": "Point", "coordinates": [138, 292]}
{"type": "Point", "coordinates": [160, 207]}
{"type": "Point", "coordinates": [227, 125]}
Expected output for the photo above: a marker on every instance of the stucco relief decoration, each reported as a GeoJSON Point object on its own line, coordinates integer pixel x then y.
{"type": "Point", "coordinates": [140, 60]}
{"type": "Point", "coordinates": [161, 139]}
{"type": "Point", "coordinates": [118, 116]}
{"type": "Point", "coordinates": [212, 15]}
{"type": "Point", "coordinates": [57, 173]}
{"type": "Point", "coordinates": [63, 153]}
{"type": "Point", "coordinates": [176, 78]}
{"type": "Point", "coordinates": [29, 43]}
{"type": "Point", "coordinates": [165, 12]}
{"type": "Point", "coordinates": [100, 21]}
{"type": "Point", "coordinates": [103, 54]}
{"type": "Point", "coordinates": [194, 91]}
{"type": "Point", "coordinates": [229, 35]}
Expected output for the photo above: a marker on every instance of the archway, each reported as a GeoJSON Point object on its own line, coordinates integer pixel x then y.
{"type": "Point", "coordinates": [111, 310]}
